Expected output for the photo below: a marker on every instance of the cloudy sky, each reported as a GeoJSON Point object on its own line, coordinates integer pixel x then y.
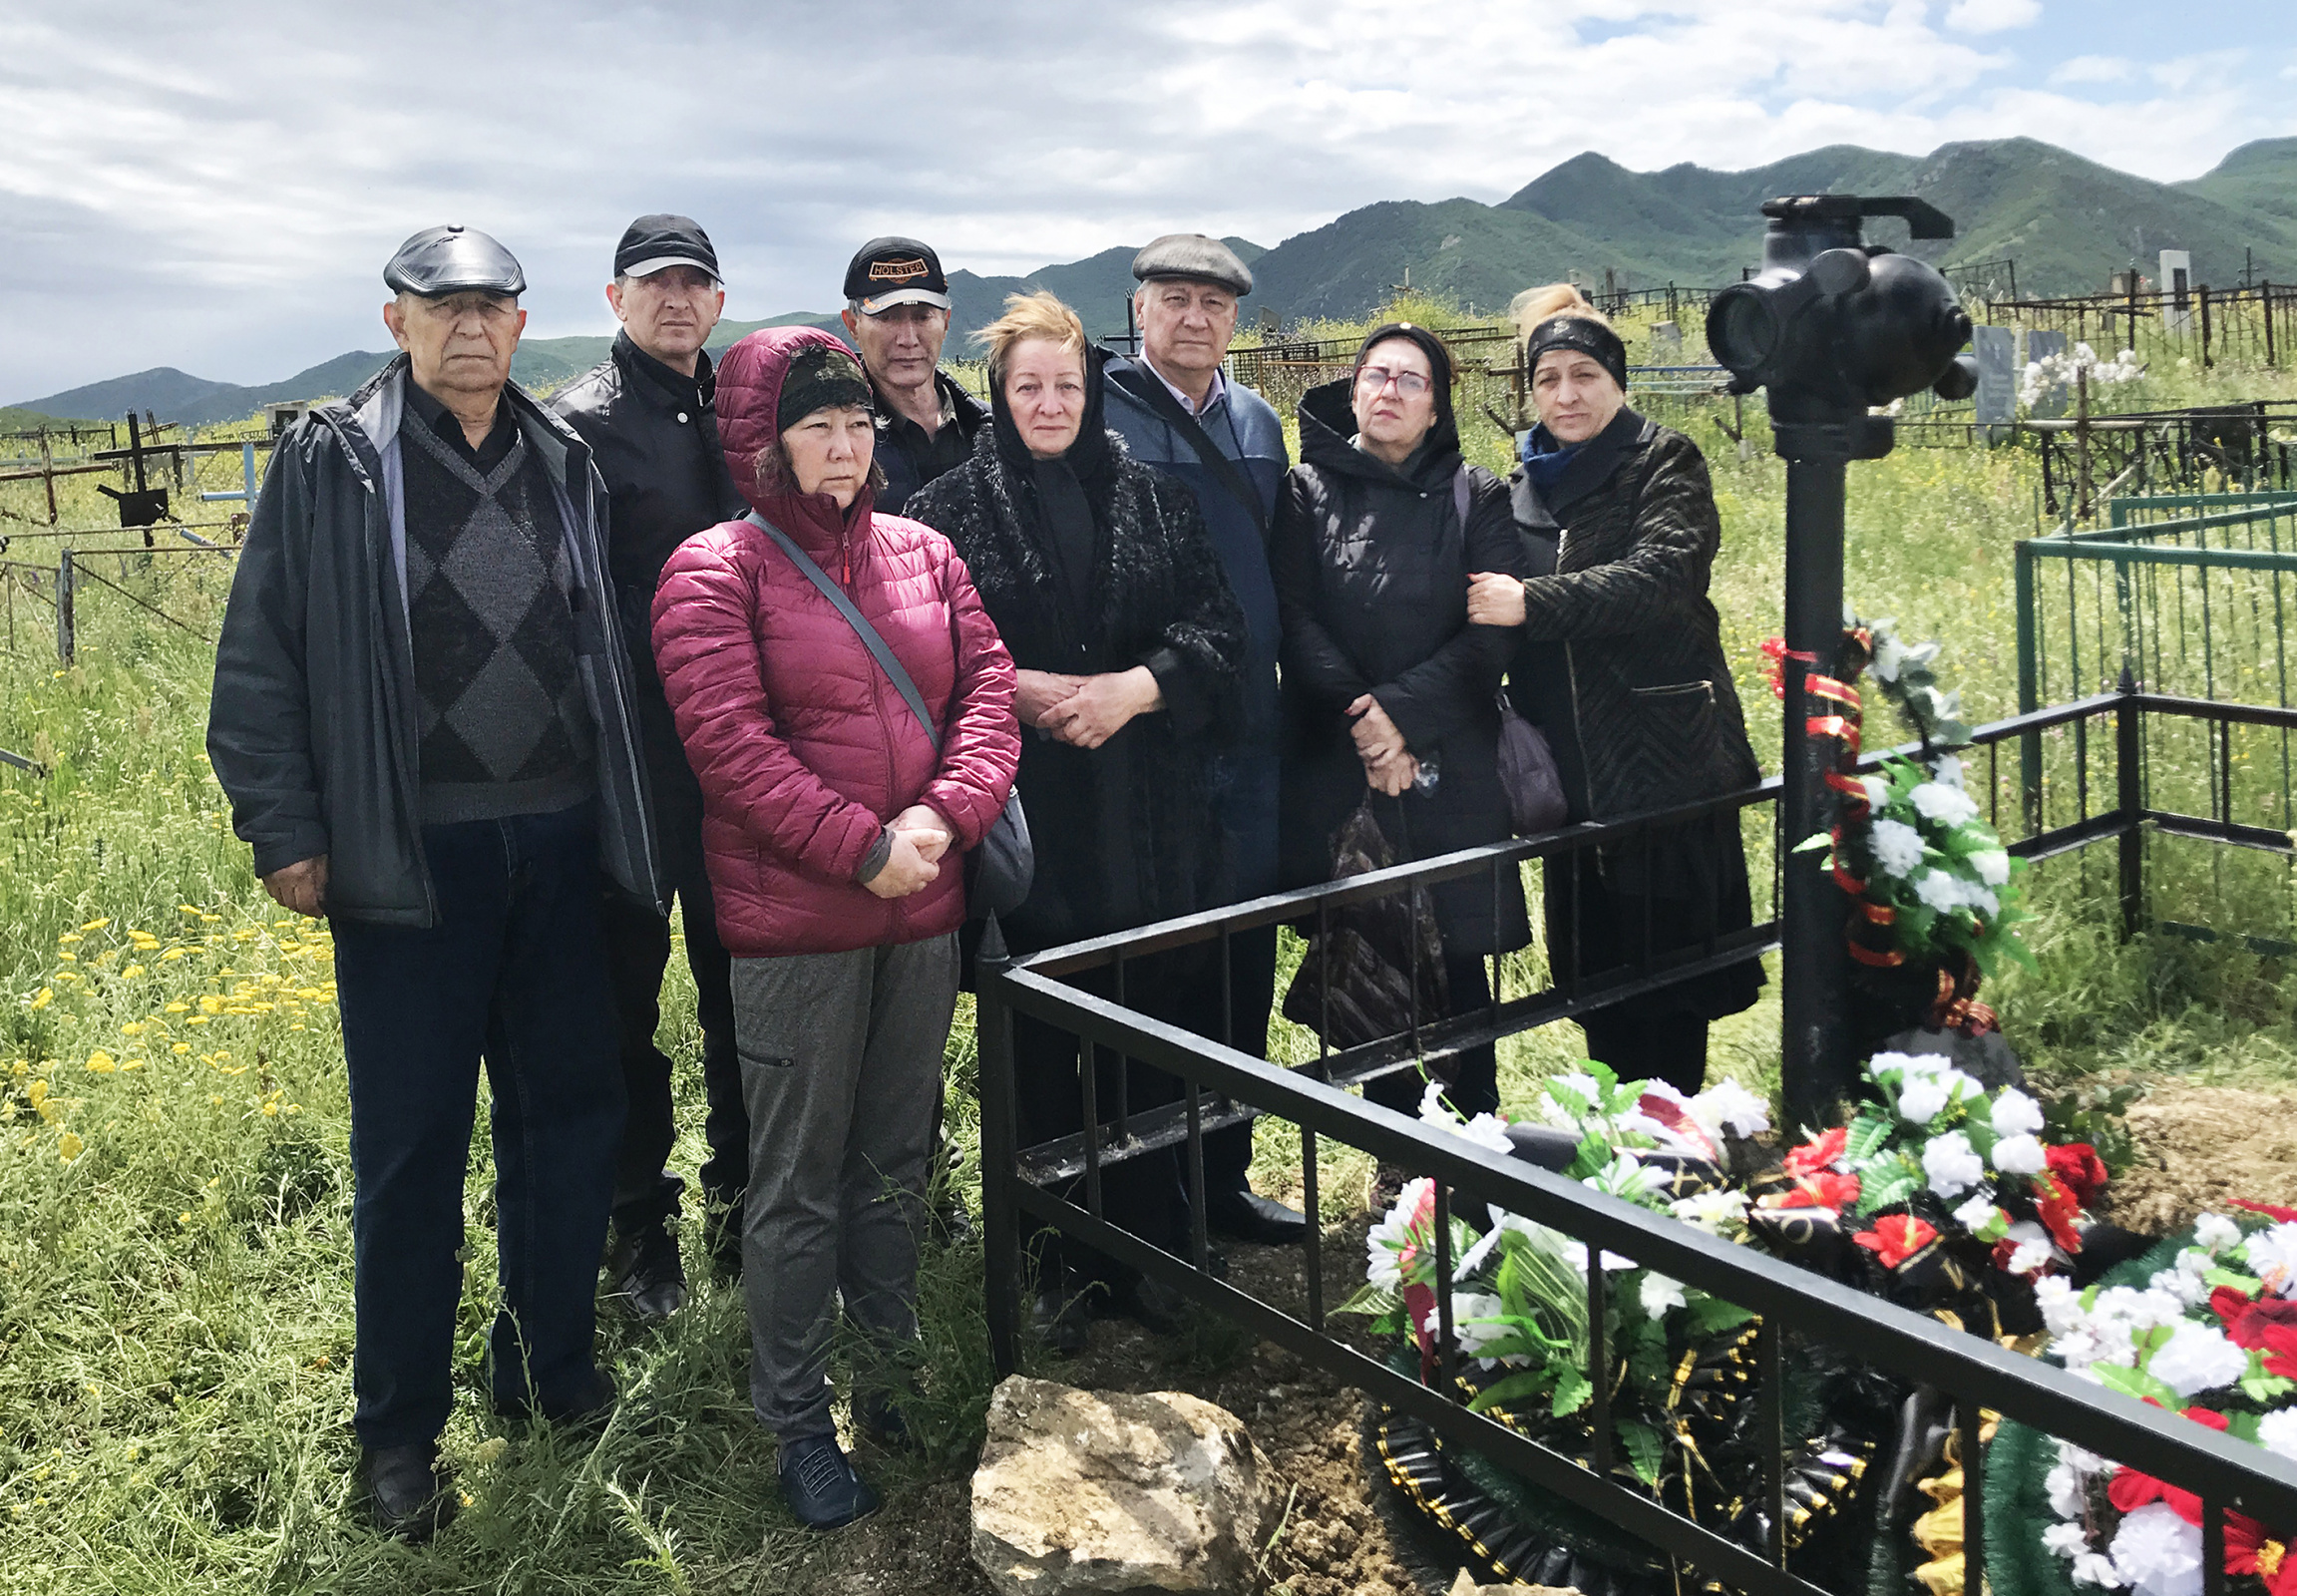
{"type": "Point", "coordinates": [216, 186]}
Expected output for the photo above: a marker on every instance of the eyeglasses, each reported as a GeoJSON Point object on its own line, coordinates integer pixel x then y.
{"type": "Point", "coordinates": [1409, 384]}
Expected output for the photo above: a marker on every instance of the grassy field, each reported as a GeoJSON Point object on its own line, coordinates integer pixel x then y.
{"type": "Point", "coordinates": [174, 1268]}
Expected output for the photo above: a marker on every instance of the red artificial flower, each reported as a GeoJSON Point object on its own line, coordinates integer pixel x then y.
{"type": "Point", "coordinates": [2284, 1215]}
{"type": "Point", "coordinates": [1820, 1153]}
{"type": "Point", "coordinates": [1896, 1238]}
{"type": "Point", "coordinates": [1672, 1115]}
{"type": "Point", "coordinates": [1823, 1190]}
{"type": "Point", "coordinates": [2229, 1304]}
{"type": "Point", "coordinates": [2057, 1211]}
{"type": "Point", "coordinates": [2079, 1168]}
{"type": "Point", "coordinates": [2269, 1327]}
{"type": "Point", "coordinates": [2130, 1489]}
{"type": "Point", "coordinates": [2249, 1550]}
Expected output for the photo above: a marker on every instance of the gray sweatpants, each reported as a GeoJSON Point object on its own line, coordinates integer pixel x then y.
{"type": "Point", "coordinates": [841, 1070]}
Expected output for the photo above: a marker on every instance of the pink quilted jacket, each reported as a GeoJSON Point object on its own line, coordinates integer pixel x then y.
{"type": "Point", "coordinates": [803, 747]}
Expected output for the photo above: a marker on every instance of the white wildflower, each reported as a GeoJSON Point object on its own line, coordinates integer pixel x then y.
{"type": "Point", "coordinates": [2019, 1155]}
{"type": "Point", "coordinates": [1949, 806]}
{"type": "Point", "coordinates": [2015, 1114]}
{"type": "Point", "coordinates": [2158, 1552]}
{"type": "Point", "coordinates": [2195, 1359]}
{"type": "Point", "coordinates": [1897, 847]}
{"type": "Point", "coordinates": [1951, 1165]}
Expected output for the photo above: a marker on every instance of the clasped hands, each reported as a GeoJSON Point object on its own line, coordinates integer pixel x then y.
{"type": "Point", "coordinates": [1084, 711]}
{"type": "Point", "coordinates": [920, 837]}
{"type": "Point", "coordinates": [1388, 764]}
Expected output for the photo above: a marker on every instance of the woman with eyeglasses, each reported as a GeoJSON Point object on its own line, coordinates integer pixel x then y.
{"type": "Point", "coordinates": [1389, 692]}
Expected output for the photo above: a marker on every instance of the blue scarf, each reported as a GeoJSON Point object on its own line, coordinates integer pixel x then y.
{"type": "Point", "coordinates": [1545, 457]}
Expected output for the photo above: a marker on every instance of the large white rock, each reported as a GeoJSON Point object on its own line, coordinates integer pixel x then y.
{"type": "Point", "coordinates": [1085, 1492]}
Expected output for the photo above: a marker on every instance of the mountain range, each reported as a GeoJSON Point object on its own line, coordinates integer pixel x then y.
{"type": "Point", "coordinates": [2069, 223]}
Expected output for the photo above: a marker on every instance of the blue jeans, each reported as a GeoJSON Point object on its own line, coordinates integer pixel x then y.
{"type": "Point", "coordinates": [514, 970]}
{"type": "Point", "coordinates": [1243, 786]}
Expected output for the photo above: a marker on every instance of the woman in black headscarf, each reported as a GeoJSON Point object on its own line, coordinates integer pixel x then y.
{"type": "Point", "coordinates": [1129, 644]}
{"type": "Point", "coordinates": [1388, 691]}
{"type": "Point", "coordinates": [1620, 660]}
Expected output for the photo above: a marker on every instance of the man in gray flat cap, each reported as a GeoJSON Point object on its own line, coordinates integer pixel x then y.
{"type": "Point", "coordinates": [1177, 412]}
{"type": "Point", "coordinates": [422, 721]}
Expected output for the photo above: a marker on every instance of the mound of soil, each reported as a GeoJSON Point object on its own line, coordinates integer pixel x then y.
{"type": "Point", "coordinates": [2199, 1147]}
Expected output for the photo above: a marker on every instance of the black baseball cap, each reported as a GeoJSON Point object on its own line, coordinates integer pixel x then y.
{"type": "Point", "coordinates": [656, 243]}
{"type": "Point", "coordinates": [896, 271]}
{"type": "Point", "coordinates": [454, 259]}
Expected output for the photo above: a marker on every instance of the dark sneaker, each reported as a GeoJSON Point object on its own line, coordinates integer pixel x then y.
{"type": "Point", "coordinates": [649, 1278]}
{"type": "Point", "coordinates": [409, 1495]}
{"type": "Point", "coordinates": [821, 1486]}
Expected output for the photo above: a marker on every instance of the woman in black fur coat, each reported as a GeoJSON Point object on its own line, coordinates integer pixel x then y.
{"type": "Point", "coordinates": [1128, 643]}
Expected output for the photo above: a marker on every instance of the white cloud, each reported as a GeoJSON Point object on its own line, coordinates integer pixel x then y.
{"type": "Point", "coordinates": [1992, 16]}
{"type": "Point", "coordinates": [2093, 69]}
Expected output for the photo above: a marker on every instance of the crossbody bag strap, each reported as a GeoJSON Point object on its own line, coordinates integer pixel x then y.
{"type": "Point", "coordinates": [871, 640]}
{"type": "Point", "coordinates": [1150, 390]}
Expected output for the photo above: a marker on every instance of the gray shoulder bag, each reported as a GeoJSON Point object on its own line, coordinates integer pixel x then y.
{"type": "Point", "coordinates": [1000, 871]}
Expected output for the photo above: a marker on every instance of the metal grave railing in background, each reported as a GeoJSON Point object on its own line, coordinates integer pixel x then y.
{"type": "Point", "coordinates": [2087, 784]}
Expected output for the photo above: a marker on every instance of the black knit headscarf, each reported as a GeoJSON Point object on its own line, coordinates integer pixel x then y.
{"type": "Point", "coordinates": [1590, 339]}
{"type": "Point", "coordinates": [820, 378]}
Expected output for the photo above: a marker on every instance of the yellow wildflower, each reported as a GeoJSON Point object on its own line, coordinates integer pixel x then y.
{"type": "Point", "coordinates": [209, 920]}
{"type": "Point", "coordinates": [180, 1048]}
{"type": "Point", "coordinates": [196, 1019]}
{"type": "Point", "coordinates": [133, 1027]}
{"type": "Point", "coordinates": [177, 1007]}
{"type": "Point", "coordinates": [70, 1147]}
{"type": "Point", "coordinates": [311, 994]}
{"type": "Point", "coordinates": [47, 995]}
{"type": "Point", "coordinates": [69, 959]}
{"type": "Point", "coordinates": [131, 972]}
{"type": "Point", "coordinates": [271, 1110]}
{"type": "Point", "coordinates": [210, 1006]}
{"type": "Point", "coordinates": [102, 1062]}
{"type": "Point", "coordinates": [216, 1098]}
{"type": "Point", "coordinates": [68, 937]}
{"type": "Point", "coordinates": [97, 925]}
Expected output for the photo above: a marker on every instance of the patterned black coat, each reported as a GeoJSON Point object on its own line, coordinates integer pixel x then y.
{"type": "Point", "coordinates": [1126, 833]}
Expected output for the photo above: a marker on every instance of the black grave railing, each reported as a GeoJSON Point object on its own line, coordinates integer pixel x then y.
{"type": "Point", "coordinates": [2054, 806]}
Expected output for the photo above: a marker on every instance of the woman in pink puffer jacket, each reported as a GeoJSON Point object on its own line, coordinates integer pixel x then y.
{"type": "Point", "coordinates": [834, 834]}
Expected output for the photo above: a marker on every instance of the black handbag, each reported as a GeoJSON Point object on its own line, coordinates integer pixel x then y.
{"type": "Point", "coordinates": [998, 872]}
{"type": "Point", "coordinates": [1528, 774]}
{"type": "Point", "coordinates": [1355, 982]}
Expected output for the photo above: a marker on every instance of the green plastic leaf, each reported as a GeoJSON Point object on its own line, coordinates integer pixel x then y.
{"type": "Point", "coordinates": [1572, 1391]}
{"type": "Point", "coordinates": [1893, 1187]}
{"type": "Point", "coordinates": [2247, 1285]}
{"type": "Point", "coordinates": [1710, 1315]}
{"type": "Point", "coordinates": [2139, 1384]}
{"type": "Point", "coordinates": [1371, 1299]}
{"type": "Point", "coordinates": [1529, 1382]}
{"type": "Point", "coordinates": [1645, 1448]}
{"type": "Point", "coordinates": [1868, 1132]}
{"type": "Point", "coordinates": [2264, 1388]}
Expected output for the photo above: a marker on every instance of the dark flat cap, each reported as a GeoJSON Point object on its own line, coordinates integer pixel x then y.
{"type": "Point", "coordinates": [444, 261]}
{"type": "Point", "coordinates": [656, 243]}
{"type": "Point", "coordinates": [1193, 255]}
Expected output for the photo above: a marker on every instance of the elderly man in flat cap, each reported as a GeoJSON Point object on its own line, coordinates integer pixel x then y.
{"type": "Point", "coordinates": [648, 412]}
{"type": "Point", "coordinates": [1177, 412]}
{"type": "Point", "coordinates": [422, 718]}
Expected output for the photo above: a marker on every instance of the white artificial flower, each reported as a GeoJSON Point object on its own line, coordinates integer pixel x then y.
{"type": "Point", "coordinates": [2096, 1568]}
{"type": "Point", "coordinates": [1660, 1294]}
{"type": "Point", "coordinates": [2277, 1431]}
{"type": "Point", "coordinates": [1949, 806]}
{"type": "Point", "coordinates": [1582, 1085]}
{"type": "Point", "coordinates": [2214, 1233]}
{"type": "Point", "coordinates": [2063, 1487]}
{"type": "Point", "coordinates": [1978, 1212]}
{"type": "Point", "coordinates": [1993, 866]}
{"type": "Point", "coordinates": [2029, 1257]}
{"type": "Point", "coordinates": [1733, 1108]}
{"type": "Point", "coordinates": [1951, 1165]}
{"type": "Point", "coordinates": [2272, 1256]}
{"type": "Point", "coordinates": [1889, 655]}
{"type": "Point", "coordinates": [1884, 1065]}
{"type": "Point", "coordinates": [1923, 1098]}
{"type": "Point", "coordinates": [1945, 770]}
{"type": "Point", "coordinates": [1574, 1253]}
{"type": "Point", "coordinates": [2065, 1540]}
{"type": "Point", "coordinates": [2182, 1283]}
{"type": "Point", "coordinates": [1384, 1243]}
{"type": "Point", "coordinates": [2015, 1114]}
{"type": "Point", "coordinates": [2159, 1553]}
{"type": "Point", "coordinates": [1470, 1307]}
{"type": "Point", "coordinates": [1897, 847]}
{"type": "Point", "coordinates": [2019, 1155]}
{"type": "Point", "coordinates": [2081, 1461]}
{"type": "Point", "coordinates": [1878, 790]}
{"type": "Point", "coordinates": [1715, 1212]}
{"type": "Point", "coordinates": [1939, 891]}
{"type": "Point", "coordinates": [2196, 1357]}
{"type": "Point", "coordinates": [2061, 1308]}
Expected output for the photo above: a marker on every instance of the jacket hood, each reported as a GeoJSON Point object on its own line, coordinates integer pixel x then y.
{"type": "Point", "coordinates": [1328, 431]}
{"type": "Point", "coordinates": [749, 395]}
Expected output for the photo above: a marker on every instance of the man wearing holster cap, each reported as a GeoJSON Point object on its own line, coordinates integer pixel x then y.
{"type": "Point", "coordinates": [898, 317]}
{"type": "Point", "coordinates": [648, 412]}
{"type": "Point", "coordinates": [1177, 412]}
{"type": "Point", "coordinates": [422, 719]}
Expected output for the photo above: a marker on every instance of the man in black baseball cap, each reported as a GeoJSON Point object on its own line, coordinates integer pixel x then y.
{"type": "Point", "coordinates": [649, 413]}
{"type": "Point", "coordinates": [421, 719]}
{"type": "Point", "coordinates": [898, 315]}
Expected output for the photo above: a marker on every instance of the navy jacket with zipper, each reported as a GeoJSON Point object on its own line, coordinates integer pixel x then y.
{"type": "Point", "coordinates": [312, 725]}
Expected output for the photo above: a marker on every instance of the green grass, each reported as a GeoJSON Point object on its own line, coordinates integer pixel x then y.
{"type": "Point", "coordinates": [175, 1271]}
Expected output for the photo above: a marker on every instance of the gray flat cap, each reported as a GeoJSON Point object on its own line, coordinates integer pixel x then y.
{"type": "Point", "coordinates": [444, 261]}
{"type": "Point", "coordinates": [1193, 255]}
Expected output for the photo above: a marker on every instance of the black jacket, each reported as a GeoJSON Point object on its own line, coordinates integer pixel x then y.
{"type": "Point", "coordinates": [312, 725]}
{"type": "Point", "coordinates": [1126, 833]}
{"type": "Point", "coordinates": [653, 435]}
{"type": "Point", "coordinates": [905, 472]}
{"type": "Point", "coordinates": [1371, 569]}
{"type": "Point", "coordinates": [1635, 694]}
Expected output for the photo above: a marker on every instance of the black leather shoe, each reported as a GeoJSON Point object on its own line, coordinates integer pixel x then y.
{"type": "Point", "coordinates": [1062, 1319]}
{"type": "Point", "coordinates": [585, 1410]}
{"type": "Point", "coordinates": [1247, 1216]}
{"type": "Point", "coordinates": [408, 1494]}
{"type": "Point", "coordinates": [1153, 1307]}
{"type": "Point", "coordinates": [821, 1486]}
{"type": "Point", "coordinates": [649, 1278]}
